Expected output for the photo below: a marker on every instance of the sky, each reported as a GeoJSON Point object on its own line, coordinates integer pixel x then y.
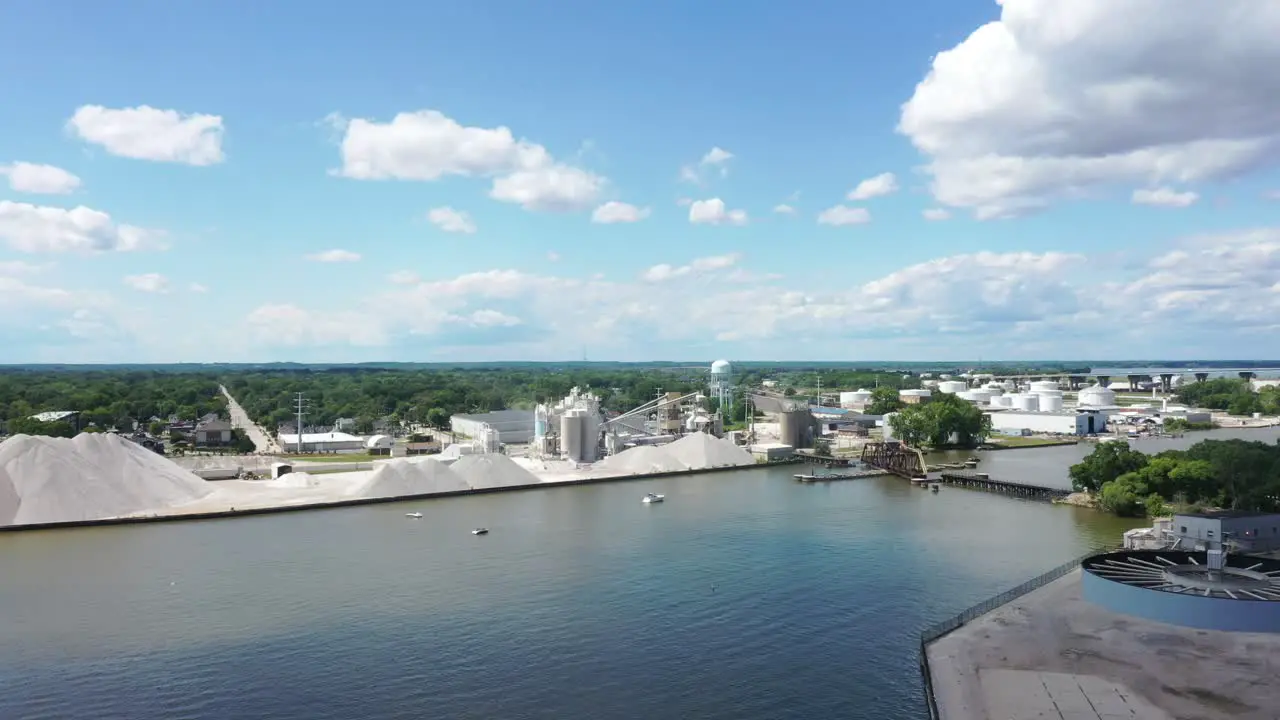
{"type": "Point", "coordinates": [234, 181]}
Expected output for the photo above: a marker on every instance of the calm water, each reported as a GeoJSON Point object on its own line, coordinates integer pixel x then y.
{"type": "Point", "coordinates": [745, 595]}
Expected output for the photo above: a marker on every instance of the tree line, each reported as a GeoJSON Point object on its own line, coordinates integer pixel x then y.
{"type": "Point", "coordinates": [1233, 474]}
{"type": "Point", "coordinates": [1236, 397]}
{"type": "Point", "coordinates": [104, 398]}
{"type": "Point", "coordinates": [944, 421]}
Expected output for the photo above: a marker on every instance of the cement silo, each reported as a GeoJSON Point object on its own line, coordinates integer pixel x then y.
{"type": "Point", "coordinates": [590, 435]}
{"type": "Point", "coordinates": [571, 431]}
{"type": "Point", "coordinates": [795, 428]}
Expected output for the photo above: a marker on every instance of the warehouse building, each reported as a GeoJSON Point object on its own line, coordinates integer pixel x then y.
{"type": "Point", "coordinates": [1057, 423]}
{"type": "Point", "coordinates": [513, 426]}
{"type": "Point", "coordinates": [322, 442]}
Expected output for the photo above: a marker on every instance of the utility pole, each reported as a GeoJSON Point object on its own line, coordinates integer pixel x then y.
{"type": "Point", "coordinates": [301, 400]}
{"type": "Point", "coordinates": [819, 389]}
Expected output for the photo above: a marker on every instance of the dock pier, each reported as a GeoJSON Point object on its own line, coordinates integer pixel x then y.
{"type": "Point", "coordinates": [982, 481]}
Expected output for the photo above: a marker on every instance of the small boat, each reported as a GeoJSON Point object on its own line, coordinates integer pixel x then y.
{"type": "Point", "coordinates": [413, 515]}
{"type": "Point", "coordinates": [935, 487]}
{"type": "Point", "coordinates": [654, 498]}
{"type": "Point", "coordinates": [480, 531]}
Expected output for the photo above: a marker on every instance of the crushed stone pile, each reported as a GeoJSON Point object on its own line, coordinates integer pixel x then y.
{"type": "Point", "coordinates": [88, 477]}
{"type": "Point", "coordinates": [293, 480]}
{"type": "Point", "coordinates": [409, 477]}
{"type": "Point", "coordinates": [492, 471]}
{"type": "Point", "coordinates": [640, 460]}
{"type": "Point", "coordinates": [700, 450]}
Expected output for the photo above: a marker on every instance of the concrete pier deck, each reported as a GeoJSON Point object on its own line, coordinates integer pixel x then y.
{"type": "Point", "coordinates": [1051, 654]}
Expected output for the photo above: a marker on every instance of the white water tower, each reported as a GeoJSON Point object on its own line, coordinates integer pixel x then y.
{"type": "Point", "coordinates": [722, 383]}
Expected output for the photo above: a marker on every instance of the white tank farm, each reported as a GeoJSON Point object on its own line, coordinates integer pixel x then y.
{"type": "Point", "coordinates": [1050, 402]}
{"type": "Point", "coordinates": [1002, 401]}
{"type": "Point", "coordinates": [995, 388]}
{"type": "Point", "coordinates": [952, 386]}
{"type": "Point", "coordinates": [1027, 402]}
{"type": "Point", "coordinates": [854, 398]}
{"type": "Point", "coordinates": [1096, 396]}
{"type": "Point", "coordinates": [920, 393]}
{"type": "Point", "coordinates": [1044, 386]}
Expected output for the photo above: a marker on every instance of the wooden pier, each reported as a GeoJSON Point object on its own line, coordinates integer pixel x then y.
{"type": "Point", "coordinates": [846, 475]}
{"type": "Point", "coordinates": [982, 481]}
{"type": "Point", "coordinates": [824, 460]}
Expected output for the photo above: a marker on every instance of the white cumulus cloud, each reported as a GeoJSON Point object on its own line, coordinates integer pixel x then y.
{"type": "Point", "coordinates": [1060, 99]}
{"type": "Point", "coordinates": [665, 271]}
{"type": "Point", "coordinates": [618, 212]}
{"type": "Point", "coordinates": [1164, 197]}
{"type": "Point", "coordinates": [874, 187]}
{"type": "Point", "coordinates": [936, 214]}
{"type": "Point", "coordinates": [38, 229]}
{"type": "Point", "coordinates": [784, 209]}
{"type": "Point", "coordinates": [198, 288]}
{"type": "Point", "coordinates": [148, 283]}
{"type": "Point", "coordinates": [428, 145]}
{"type": "Point", "coordinates": [716, 158]}
{"type": "Point", "coordinates": [450, 220]}
{"type": "Point", "coordinates": [714, 212]}
{"type": "Point", "coordinates": [147, 133]}
{"type": "Point", "coordinates": [334, 256]}
{"type": "Point", "coordinates": [25, 177]}
{"type": "Point", "coordinates": [844, 215]}
{"type": "Point", "coordinates": [404, 277]}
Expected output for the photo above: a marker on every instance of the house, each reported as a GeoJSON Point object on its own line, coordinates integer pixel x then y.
{"type": "Point", "coordinates": [213, 433]}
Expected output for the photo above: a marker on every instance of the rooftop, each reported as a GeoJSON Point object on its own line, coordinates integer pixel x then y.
{"type": "Point", "coordinates": [1228, 514]}
{"type": "Point", "coordinates": [1052, 654]}
{"type": "Point", "coordinates": [498, 416]}
{"type": "Point", "coordinates": [53, 415]}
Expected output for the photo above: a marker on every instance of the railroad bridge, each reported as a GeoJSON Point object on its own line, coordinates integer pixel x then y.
{"type": "Point", "coordinates": [896, 458]}
{"type": "Point", "coordinates": [982, 481]}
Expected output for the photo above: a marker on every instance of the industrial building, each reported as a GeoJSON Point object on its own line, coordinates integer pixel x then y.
{"type": "Point", "coordinates": [1247, 532]}
{"type": "Point", "coordinates": [1017, 422]}
{"type": "Point", "coordinates": [322, 442]}
{"type": "Point", "coordinates": [513, 426]}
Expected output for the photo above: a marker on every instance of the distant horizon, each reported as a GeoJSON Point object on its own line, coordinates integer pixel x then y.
{"type": "Point", "coordinates": [882, 365]}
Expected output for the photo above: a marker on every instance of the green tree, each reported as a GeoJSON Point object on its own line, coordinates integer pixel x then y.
{"type": "Point", "coordinates": [946, 421]}
{"type": "Point", "coordinates": [1108, 461]}
{"type": "Point", "coordinates": [884, 400]}
{"type": "Point", "coordinates": [438, 417]}
{"type": "Point", "coordinates": [1120, 496]}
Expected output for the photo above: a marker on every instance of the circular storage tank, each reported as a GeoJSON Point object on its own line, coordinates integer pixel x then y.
{"type": "Point", "coordinates": [952, 386]}
{"type": "Point", "coordinates": [793, 427]}
{"type": "Point", "coordinates": [1050, 403]}
{"type": "Point", "coordinates": [980, 396]}
{"type": "Point", "coordinates": [1096, 396]}
{"type": "Point", "coordinates": [994, 388]}
{"type": "Point", "coordinates": [888, 427]}
{"type": "Point", "coordinates": [970, 395]}
{"type": "Point", "coordinates": [571, 427]}
{"type": "Point", "coordinates": [922, 392]}
{"type": "Point", "coordinates": [1044, 386]}
{"type": "Point", "coordinates": [1026, 402]}
{"type": "Point", "coordinates": [1001, 401]}
{"type": "Point", "coordinates": [855, 398]}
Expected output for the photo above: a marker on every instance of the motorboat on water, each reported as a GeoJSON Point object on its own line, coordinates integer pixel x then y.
{"type": "Point", "coordinates": [654, 498]}
{"type": "Point", "coordinates": [480, 531]}
{"type": "Point", "coordinates": [413, 514]}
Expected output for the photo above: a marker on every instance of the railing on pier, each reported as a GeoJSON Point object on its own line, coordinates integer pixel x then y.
{"type": "Point", "coordinates": [937, 630]}
{"type": "Point", "coordinates": [896, 458]}
{"type": "Point", "coordinates": [985, 482]}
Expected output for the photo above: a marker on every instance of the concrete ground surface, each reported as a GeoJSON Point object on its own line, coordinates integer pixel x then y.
{"type": "Point", "coordinates": [240, 419]}
{"type": "Point", "coordinates": [1051, 654]}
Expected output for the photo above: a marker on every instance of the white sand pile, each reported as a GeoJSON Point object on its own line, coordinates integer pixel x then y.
{"type": "Point", "coordinates": [640, 460]}
{"type": "Point", "coordinates": [492, 471]}
{"type": "Point", "coordinates": [89, 477]}
{"type": "Point", "coordinates": [293, 480]}
{"type": "Point", "coordinates": [700, 450]}
{"type": "Point", "coordinates": [411, 477]}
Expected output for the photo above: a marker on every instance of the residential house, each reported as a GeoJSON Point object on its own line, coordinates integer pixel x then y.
{"type": "Point", "coordinates": [213, 433]}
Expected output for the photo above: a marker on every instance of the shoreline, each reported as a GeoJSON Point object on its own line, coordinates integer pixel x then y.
{"type": "Point", "coordinates": [352, 502]}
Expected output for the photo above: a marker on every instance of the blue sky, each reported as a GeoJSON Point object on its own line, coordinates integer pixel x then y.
{"type": "Point", "coordinates": [431, 181]}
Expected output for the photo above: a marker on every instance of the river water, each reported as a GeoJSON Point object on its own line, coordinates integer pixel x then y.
{"type": "Point", "coordinates": [745, 595]}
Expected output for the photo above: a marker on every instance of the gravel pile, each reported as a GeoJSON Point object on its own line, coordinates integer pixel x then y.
{"type": "Point", "coordinates": [293, 480]}
{"type": "Point", "coordinates": [700, 450]}
{"type": "Point", "coordinates": [492, 471]}
{"type": "Point", "coordinates": [89, 477]}
{"type": "Point", "coordinates": [641, 460]}
{"type": "Point", "coordinates": [411, 477]}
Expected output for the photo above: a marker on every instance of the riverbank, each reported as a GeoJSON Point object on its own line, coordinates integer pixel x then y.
{"type": "Point", "coordinates": [198, 511]}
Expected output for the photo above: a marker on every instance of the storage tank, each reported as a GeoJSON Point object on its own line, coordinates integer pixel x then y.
{"type": "Point", "coordinates": [571, 432]}
{"type": "Point", "coordinates": [1050, 402]}
{"type": "Point", "coordinates": [794, 428]}
{"type": "Point", "coordinates": [1001, 401]}
{"type": "Point", "coordinates": [1044, 386]}
{"type": "Point", "coordinates": [1027, 402]}
{"type": "Point", "coordinates": [855, 398]}
{"type": "Point", "coordinates": [1096, 396]}
{"type": "Point", "coordinates": [539, 423]}
{"type": "Point", "coordinates": [887, 433]}
{"type": "Point", "coordinates": [995, 388]}
{"type": "Point", "coordinates": [952, 386]}
{"type": "Point", "coordinates": [980, 396]}
{"type": "Point", "coordinates": [922, 392]}
{"type": "Point", "coordinates": [490, 440]}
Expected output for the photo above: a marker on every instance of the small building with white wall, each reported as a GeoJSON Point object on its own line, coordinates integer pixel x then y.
{"type": "Point", "coordinates": [322, 442]}
{"type": "Point", "coordinates": [1057, 423]}
{"type": "Point", "coordinates": [515, 427]}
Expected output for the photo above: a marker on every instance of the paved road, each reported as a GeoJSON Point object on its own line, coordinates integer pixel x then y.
{"type": "Point", "coordinates": [240, 419]}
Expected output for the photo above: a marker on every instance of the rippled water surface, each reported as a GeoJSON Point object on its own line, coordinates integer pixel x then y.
{"type": "Point", "coordinates": [745, 595]}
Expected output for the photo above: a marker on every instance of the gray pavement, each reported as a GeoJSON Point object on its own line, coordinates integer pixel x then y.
{"type": "Point", "coordinates": [262, 441]}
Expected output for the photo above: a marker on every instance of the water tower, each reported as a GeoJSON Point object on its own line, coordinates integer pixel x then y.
{"type": "Point", "coordinates": [722, 383]}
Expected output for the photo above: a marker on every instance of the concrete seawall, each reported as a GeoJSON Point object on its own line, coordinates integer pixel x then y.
{"type": "Point", "coordinates": [366, 501]}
